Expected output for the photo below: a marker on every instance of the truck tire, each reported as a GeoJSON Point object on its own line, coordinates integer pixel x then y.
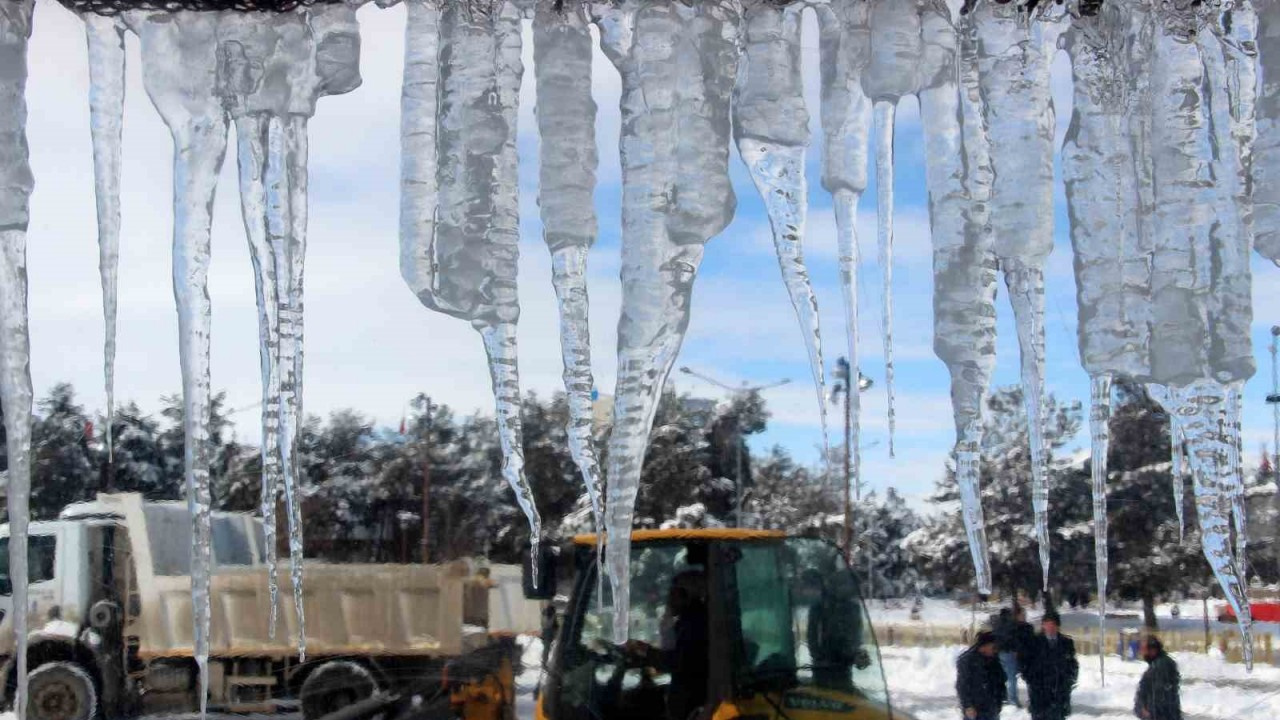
{"type": "Point", "coordinates": [333, 686]}
{"type": "Point", "coordinates": [61, 691]}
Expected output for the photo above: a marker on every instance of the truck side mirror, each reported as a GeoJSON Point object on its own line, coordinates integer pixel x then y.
{"type": "Point", "coordinates": [545, 559]}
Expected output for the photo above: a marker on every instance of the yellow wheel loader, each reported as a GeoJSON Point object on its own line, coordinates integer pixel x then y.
{"type": "Point", "coordinates": [723, 624]}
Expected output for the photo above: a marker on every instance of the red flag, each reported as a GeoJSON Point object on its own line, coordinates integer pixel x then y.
{"type": "Point", "coordinates": [1265, 467]}
{"type": "Point", "coordinates": [88, 430]}
{"type": "Point", "coordinates": [402, 428]}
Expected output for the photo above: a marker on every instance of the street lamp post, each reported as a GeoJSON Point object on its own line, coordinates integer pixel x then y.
{"type": "Point", "coordinates": [843, 372]}
{"type": "Point", "coordinates": [738, 391]}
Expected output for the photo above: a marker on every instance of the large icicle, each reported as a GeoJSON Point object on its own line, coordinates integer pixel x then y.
{"type": "Point", "coordinates": [1013, 59]}
{"type": "Point", "coordinates": [179, 57]}
{"type": "Point", "coordinates": [678, 65]}
{"type": "Point", "coordinates": [1202, 407]}
{"type": "Point", "coordinates": [16, 183]}
{"type": "Point", "coordinates": [568, 159]}
{"type": "Point", "coordinates": [844, 41]}
{"type": "Point", "coordinates": [959, 177]}
{"type": "Point", "coordinates": [1197, 265]}
{"type": "Point", "coordinates": [1110, 258]}
{"type": "Point", "coordinates": [459, 217]}
{"type": "Point", "coordinates": [105, 36]}
{"type": "Point", "coordinates": [771, 127]}
{"type": "Point", "coordinates": [1266, 151]}
{"type": "Point", "coordinates": [892, 71]}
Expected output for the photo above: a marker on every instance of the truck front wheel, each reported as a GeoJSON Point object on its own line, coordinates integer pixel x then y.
{"type": "Point", "coordinates": [61, 691]}
{"type": "Point", "coordinates": [333, 686]}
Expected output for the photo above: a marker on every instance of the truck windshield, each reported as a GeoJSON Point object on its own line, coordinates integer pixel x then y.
{"type": "Point", "coordinates": [802, 620]}
{"type": "Point", "coordinates": [41, 552]}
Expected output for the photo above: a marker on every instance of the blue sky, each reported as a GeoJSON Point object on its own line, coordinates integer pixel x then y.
{"type": "Point", "coordinates": [370, 345]}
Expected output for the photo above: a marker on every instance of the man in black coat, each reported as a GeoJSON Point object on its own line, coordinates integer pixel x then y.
{"type": "Point", "coordinates": [1157, 697]}
{"type": "Point", "coordinates": [980, 682]}
{"type": "Point", "coordinates": [1050, 668]}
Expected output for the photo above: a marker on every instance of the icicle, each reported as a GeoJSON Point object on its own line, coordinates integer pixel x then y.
{"type": "Point", "coordinates": [459, 220]}
{"type": "Point", "coordinates": [252, 143]}
{"type": "Point", "coordinates": [269, 77]}
{"type": "Point", "coordinates": [1235, 476]}
{"type": "Point", "coordinates": [567, 179]}
{"type": "Point", "coordinates": [1100, 435]}
{"type": "Point", "coordinates": [844, 41]}
{"type": "Point", "coordinates": [884, 114]}
{"type": "Point", "coordinates": [15, 345]}
{"type": "Point", "coordinates": [1177, 442]}
{"type": "Point", "coordinates": [677, 65]}
{"type": "Point", "coordinates": [892, 72]}
{"type": "Point", "coordinates": [1266, 150]}
{"type": "Point", "coordinates": [959, 177]}
{"type": "Point", "coordinates": [1202, 405]}
{"type": "Point", "coordinates": [1013, 60]}
{"type": "Point", "coordinates": [771, 126]}
{"type": "Point", "coordinates": [105, 36]}
{"type": "Point", "coordinates": [180, 60]}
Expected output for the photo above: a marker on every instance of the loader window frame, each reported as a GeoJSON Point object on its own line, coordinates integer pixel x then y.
{"type": "Point", "coordinates": [42, 556]}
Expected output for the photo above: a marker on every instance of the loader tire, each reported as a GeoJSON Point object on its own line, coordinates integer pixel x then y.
{"type": "Point", "coordinates": [333, 686]}
{"type": "Point", "coordinates": [61, 691]}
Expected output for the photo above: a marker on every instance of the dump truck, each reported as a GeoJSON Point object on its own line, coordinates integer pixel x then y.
{"type": "Point", "coordinates": [110, 619]}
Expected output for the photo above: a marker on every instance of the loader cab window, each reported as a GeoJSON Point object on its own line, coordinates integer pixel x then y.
{"type": "Point", "coordinates": [647, 678]}
{"type": "Point", "coordinates": [802, 621]}
{"type": "Point", "coordinates": [41, 559]}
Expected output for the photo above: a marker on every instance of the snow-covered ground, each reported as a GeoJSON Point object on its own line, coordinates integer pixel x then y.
{"type": "Point", "coordinates": [922, 683]}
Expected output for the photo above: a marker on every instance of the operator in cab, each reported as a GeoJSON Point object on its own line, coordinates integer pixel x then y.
{"type": "Point", "coordinates": [685, 643]}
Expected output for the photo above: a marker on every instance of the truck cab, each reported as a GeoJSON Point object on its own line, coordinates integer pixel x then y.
{"type": "Point", "coordinates": [724, 623]}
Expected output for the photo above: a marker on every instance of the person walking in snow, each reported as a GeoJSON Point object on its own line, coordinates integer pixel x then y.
{"type": "Point", "coordinates": [980, 682]}
{"type": "Point", "coordinates": [1050, 668]}
{"type": "Point", "coordinates": [1013, 633]}
{"type": "Point", "coordinates": [1158, 692]}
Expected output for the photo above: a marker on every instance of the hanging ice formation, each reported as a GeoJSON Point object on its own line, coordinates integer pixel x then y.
{"type": "Point", "coordinates": [1013, 72]}
{"type": "Point", "coordinates": [459, 211]}
{"type": "Point", "coordinates": [1167, 106]}
{"type": "Point", "coordinates": [16, 183]}
{"type": "Point", "coordinates": [771, 127]}
{"type": "Point", "coordinates": [678, 63]}
{"type": "Point", "coordinates": [1110, 243]}
{"type": "Point", "coordinates": [844, 41]}
{"type": "Point", "coordinates": [562, 48]}
{"type": "Point", "coordinates": [201, 69]}
{"type": "Point", "coordinates": [959, 177]}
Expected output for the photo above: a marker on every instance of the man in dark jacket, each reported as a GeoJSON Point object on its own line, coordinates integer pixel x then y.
{"type": "Point", "coordinates": [980, 682]}
{"type": "Point", "coordinates": [1050, 668]}
{"type": "Point", "coordinates": [1157, 697]}
{"type": "Point", "coordinates": [1013, 633]}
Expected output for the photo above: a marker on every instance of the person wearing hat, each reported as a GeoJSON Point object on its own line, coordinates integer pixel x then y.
{"type": "Point", "coordinates": [980, 681]}
{"type": "Point", "coordinates": [1050, 668]}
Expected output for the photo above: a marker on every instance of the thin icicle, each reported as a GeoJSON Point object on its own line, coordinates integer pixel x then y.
{"type": "Point", "coordinates": [893, 71]}
{"type": "Point", "coordinates": [105, 36]}
{"type": "Point", "coordinates": [844, 42]}
{"type": "Point", "coordinates": [568, 159]}
{"type": "Point", "coordinates": [771, 127]}
{"type": "Point", "coordinates": [1100, 437]}
{"type": "Point", "coordinates": [252, 132]}
{"type": "Point", "coordinates": [15, 345]}
{"type": "Point", "coordinates": [1177, 443]}
{"type": "Point", "coordinates": [1234, 474]}
{"type": "Point", "coordinates": [884, 115]}
{"type": "Point", "coordinates": [678, 65]}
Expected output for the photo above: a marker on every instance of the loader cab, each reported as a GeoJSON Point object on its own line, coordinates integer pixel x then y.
{"type": "Point", "coordinates": [723, 624]}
